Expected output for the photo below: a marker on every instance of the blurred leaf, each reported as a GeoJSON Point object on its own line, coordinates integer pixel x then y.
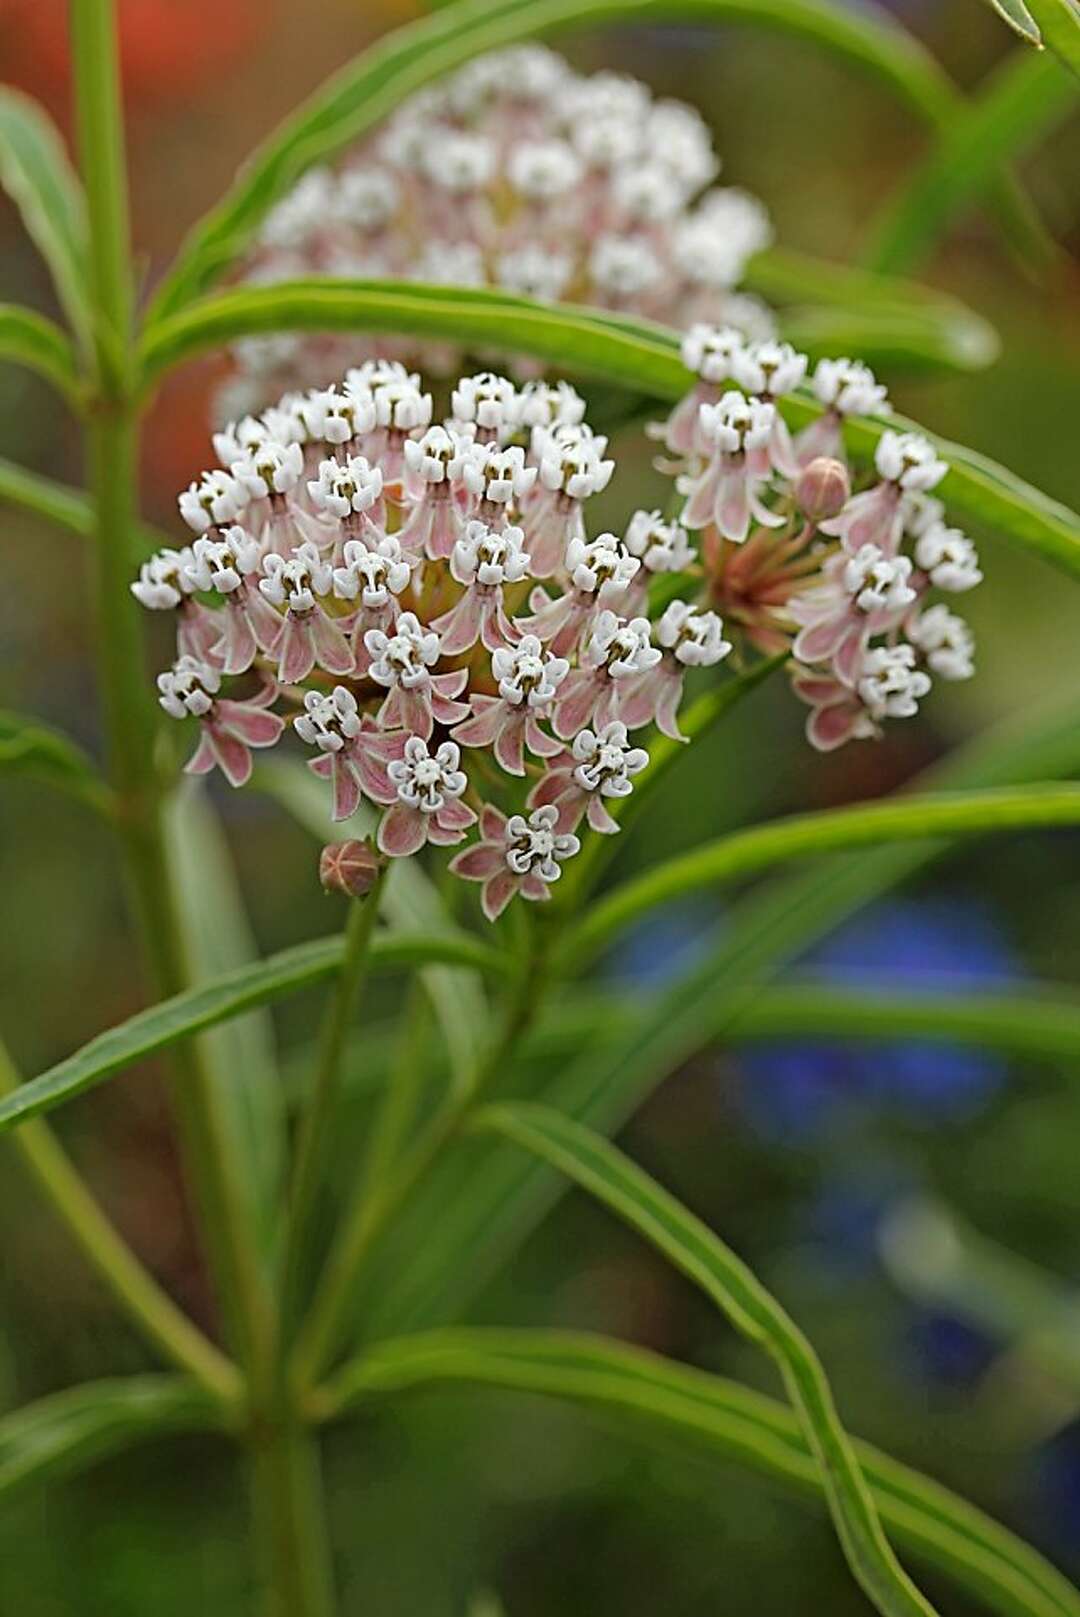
{"type": "Point", "coordinates": [633, 1384]}
{"type": "Point", "coordinates": [28, 747]}
{"type": "Point", "coordinates": [599, 1168]}
{"type": "Point", "coordinates": [60, 504]}
{"type": "Point", "coordinates": [37, 174]}
{"type": "Point", "coordinates": [1019, 19]}
{"type": "Point", "coordinates": [479, 1203]}
{"type": "Point", "coordinates": [68, 1430]}
{"type": "Point", "coordinates": [409, 902]}
{"type": "Point", "coordinates": [231, 994]}
{"type": "Point", "coordinates": [1028, 96]}
{"type": "Point", "coordinates": [1059, 21]}
{"type": "Point", "coordinates": [27, 338]}
{"type": "Point", "coordinates": [636, 353]}
{"type": "Point", "coordinates": [375, 83]}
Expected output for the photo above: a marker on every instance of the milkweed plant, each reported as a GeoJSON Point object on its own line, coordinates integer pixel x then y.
{"type": "Point", "coordinates": [393, 606]}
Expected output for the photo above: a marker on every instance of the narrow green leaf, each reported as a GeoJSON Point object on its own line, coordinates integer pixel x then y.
{"type": "Point", "coordinates": [633, 353]}
{"type": "Point", "coordinates": [28, 338]}
{"type": "Point", "coordinates": [594, 1164]}
{"type": "Point", "coordinates": [62, 505]}
{"type": "Point", "coordinates": [68, 1430]}
{"type": "Point", "coordinates": [230, 995]}
{"type": "Point", "coordinates": [28, 747]}
{"type": "Point", "coordinates": [1019, 19]}
{"type": "Point", "coordinates": [37, 174]}
{"type": "Point", "coordinates": [480, 1202]}
{"type": "Point", "coordinates": [1059, 23]}
{"type": "Point", "coordinates": [859, 825]}
{"type": "Point", "coordinates": [1026, 99]}
{"type": "Point", "coordinates": [637, 1387]}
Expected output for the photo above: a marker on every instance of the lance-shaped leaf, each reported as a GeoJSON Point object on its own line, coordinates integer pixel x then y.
{"type": "Point", "coordinates": [28, 747]}
{"type": "Point", "coordinates": [28, 338]}
{"type": "Point", "coordinates": [639, 1391]}
{"type": "Point", "coordinates": [66, 1431]}
{"type": "Point", "coordinates": [1016, 14]}
{"type": "Point", "coordinates": [1059, 23]}
{"type": "Point", "coordinates": [636, 354]}
{"type": "Point", "coordinates": [36, 172]}
{"type": "Point", "coordinates": [599, 1168]}
{"type": "Point", "coordinates": [229, 995]}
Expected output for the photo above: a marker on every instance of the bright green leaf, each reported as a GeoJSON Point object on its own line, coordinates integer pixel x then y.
{"type": "Point", "coordinates": [36, 172]}
{"type": "Point", "coordinates": [1019, 19]}
{"type": "Point", "coordinates": [641, 1389]}
{"type": "Point", "coordinates": [599, 1168]}
{"type": "Point", "coordinates": [1059, 23]}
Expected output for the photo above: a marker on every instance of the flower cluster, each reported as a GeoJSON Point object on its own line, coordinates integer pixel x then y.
{"type": "Point", "coordinates": [421, 603]}
{"type": "Point", "coordinates": [520, 174]}
{"type": "Point", "coordinates": [797, 562]}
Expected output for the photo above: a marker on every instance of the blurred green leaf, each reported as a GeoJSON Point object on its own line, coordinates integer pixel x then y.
{"type": "Point", "coordinates": [375, 83]}
{"type": "Point", "coordinates": [37, 174]}
{"type": "Point", "coordinates": [640, 1387]}
{"type": "Point", "coordinates": [62, 505]}
{"type": "Point", "coordinates": [742, 853]}
{"type": "Point", "coordinates": [68, 1430]}
{"type": "Point", "coordinates": [1059, 23]}
{"type": "Point", "coordinates": [599, 1168]}
{"type": "Point", "coordinates": [27, 338]}
{"type": "Point", "coordinates": [231, 994]}
{"type": "Point", "coordinates": [479, 1203]}
{"type": "Point", "coordinates": [1019, 19]}
{"type": "Point", "coordinates": [28, 747]}
{"type": "Point", "coordinates": [1027, 98]}
{"type": "Point", "coordinates": [634, 353]}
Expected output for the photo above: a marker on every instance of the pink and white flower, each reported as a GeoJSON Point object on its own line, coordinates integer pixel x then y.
{"type": "Point", "coordinates": [845, 387]}
{"type": "Point", "coordinates": [231, 567]}
{"type": "Point", "coordinates": [945, 641]}
{"type": "Point", "coordinates": [768, 370]}
{"type": "Point", "coordinates": [309, 635]}
{"type": "Point", "coordinates": [863, 595]}
{"type": "Point", "coordinates": [523, 854]}
{"type": "Point", "coordinates": [907, 464]}
{"type": "Point", "coordinates": [164, 585]}
{"type": "Point", "coordinates": [600, 764]}
{"type": "Point", "coordinates": [688, 638]}
{"type": "Point", "coordinates": [528, 678]}
{"type": "Point", "coordinates": [229, 729]}
{"type": "Point", "coordinates": [485, 561]}
{"type": "Point", "coordinates": [572, 468]}
{"type": "Point", "coordinates": [736, 433]}
{"type": "Point", "coordinates": [353, 752]}
{"type": "Point", "coordinates": [616, 652]}
{"type": "Point", "coordinates": [428, 808]}
{"type": "Point", "coordinates": [402, 662]}
{"type": "Point", "coordinates": [374, 574]}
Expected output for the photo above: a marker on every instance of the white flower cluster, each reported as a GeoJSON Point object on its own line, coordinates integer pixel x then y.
{"type": "Point", "coordinates": [515, 173]}
{"type": "Point", "coordinates": [406, 590]}
{"type": "Point", "coordinates": [795, 558]}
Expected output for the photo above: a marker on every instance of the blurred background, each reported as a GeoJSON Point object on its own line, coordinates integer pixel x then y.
{"type": "Point", "coordinates": [832, 1169]}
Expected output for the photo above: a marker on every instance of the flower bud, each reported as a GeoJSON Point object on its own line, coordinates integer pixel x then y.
{"type": "Point", "coordinates": [823, 488]}
{"type": "Point", "coordinates": [351, 868]}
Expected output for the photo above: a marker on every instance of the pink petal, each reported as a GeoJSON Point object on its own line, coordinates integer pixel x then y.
{"type": "Point", "coordinates": [598, 816]}
{"type": "Point", "coordinates": [452, 683]}
{"type": "Point", "coordinates": [480, 731]}
{"type": "Point", "coordinates": [402, 831]}
{"type": "Point", "coordinates": [252, 725]}
{"type": "Point", "coordinates": [539, 742]}
{"type": "Point", "coordinates": [819, 641]}
{"type": "Point", "coordinates": [232, 757]}
{"type": "Point", "coordinates": [346, 789]}
{"type": "Point", "coordinates": [829, 727]}
{"type": "Point", "coordinates": [535, 888]}
{"type": "Point", "coordinates": [455, 815]}
{"type": "Point", "coordinates": [202, 760]}
{"type": "Point", "coordinates": [332, 649]}
{"type": "Point", "coordinates": [732, 508]}
{"type": "Point", "coordinates": [698, 512]}
{"type": "Point", "coordinates": [578, 695]}
{"type": "Point", "coordinates": [847, 660]}
{"type": "Point", "coordinates": [267, 625]}
{"type": "Point", "coordinates": [238, 644]}
{"type": "Point", "coordinates": [459, 629]}
{"type": "Point", "coordinates": [510, 745]}
{"type": "Point", "coordinates": [479, 862]}
{"type": "Point", "coordinates": [667, 708]}
{"type": "Point", "coordinates": [492, 824]}
{"type": "Point", "coordinates": [297, 654]}
{"type": "Point", "coordinates": [497, 893]}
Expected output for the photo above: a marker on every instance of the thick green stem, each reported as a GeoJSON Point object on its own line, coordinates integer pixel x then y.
{"type": "Point", "coordinates": [322, 1105]}
{"type": "Point", "coordinates": [135, 1289]}
{"type": "Point", "coordinates": [289, 1515]}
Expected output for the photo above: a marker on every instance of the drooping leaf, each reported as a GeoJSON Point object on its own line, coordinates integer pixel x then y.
{"type": "Point", "coordinates": [599, 1168]}
{"type": "Point", "coordinates": [640, 1390]}
{"type": "Point", "coordinates": [28, 747]}
{"type": "Point", "coordinates": [1016, 14]}
{"type": "Point", "coordinates": [62, 505]}
{"type": "Point", "coordinates": [633, 353]}
{"type": "Point", "coordinates": [230, 995]}
{"type": "Point", "coordinates": [37, 174]}
{"type": "Point", "coordinates": [742, 853]}
{"type": "Point", "coordinates": [28, 338]}
{"type": "Point", "coordinates": [66, 1431]}
{"type": "Point", "coordinates": [1059, 23]}
{"type": "Point", "coordinates": [1028, 96]}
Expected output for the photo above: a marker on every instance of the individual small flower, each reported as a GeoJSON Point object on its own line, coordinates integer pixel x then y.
{"type": "Point", "coordinates": [339, 418]}
{"type": "Point", "coordinates": [459, 163]}
{"type": "Point", "coordinates": [736, 433]}
{"type": "Point", "coordinates": [402, 661]}
{"type": "Point", "coordinates": [710, 352]}
{"type": "Point", "coordinates": [487, 401]}
{"type": "Point", "coordinates": [907, 465]}
{"type": "Point", "coordinates": [428, 808]}
{"type": "Point", "coordinates": [230, 567]}
{"type": "Point", "coordinates": [367, 198]}
{"type": "Point", "coordinates": [600, 764]}
{"type": "Point", "coordinates": [237, 439]}
{"type": "Point", "coordinates": [522, 854]}
{"type": "Point", "coordinates": [533, 271]}
{"type": "Point", "coordinates": [216, 500]}
{"type": "Point", "coordinates": [616, 650]}
{"type": "Point", "coordinates": [164, 585]}
{"type": "Point", "coordinates": [528, 679]}
{"type": "Point", "coordinates": [945, 641]}
{"type": "Point", "coordinates": [374, 575]}
{"type": "Point", "coordinates": [837, 714]}
{"type": "Point", "coordinates": [862, 595]}
{"type": "Point", "coordinates": [661, 547]}
{"type": "Point", "coordinates": [229, 729]}
{"type": "Point", "coordinates": [401, 409]}
{"type": "Point", "coordinates": [572, 468]}
{"type": "Point", "coordinates": [948, 557]}
{"type": "Point", "coordinates": [688, 638]}
{"type": "Point", "coordinates": [436, 466]}
{"type": "Point", "coordinates": [351, 868]}
{"type": "Point", "coordinates": [599, 572]}
{"type": "Point", "coordinates": [544, 170]}
{"type": "Point", "coordinates": [890, 684]}
{"type": "Point", "coordinates": [623, 268]}
{"type": "Point", "coordinates": [484, 560]}
{"type": "Point", "coordinates": [845, 387]}
{"type": "Point", "coordinates": [353, 753]}
{"type": "Point", "coordinates": [548, 405]}
{"type": "Point", "coordinates": [309, 635]}
{"type": "Point", "coordinates": [350, 490]}
{"type": "Point", "coordinates": [496, 478]}
{"type": "Point", "coordinates": [269, 468]}
{"type": "Point", "coordinates": [768, 370]}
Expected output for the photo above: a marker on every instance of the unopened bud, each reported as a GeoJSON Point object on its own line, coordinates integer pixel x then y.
{"type": "Point", "coordinates": [349, 867]}
{"type": "Point", "coordinates": [823, 489]}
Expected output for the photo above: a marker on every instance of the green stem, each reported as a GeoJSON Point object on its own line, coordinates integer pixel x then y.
{"type": "Point", "coordinates": [326, 1088]}
{"type": "Point", "coordinates": [290, 1521]}
{"type": "Point", "coordinates": [395, 1116]}
{"type": "Point", "coordinates": [151, 1309]}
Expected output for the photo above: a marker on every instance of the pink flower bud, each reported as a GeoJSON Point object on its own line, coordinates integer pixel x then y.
{"type": "Point", "coordinates": [823, 489]}
{"type": "Point", "coordinates": [349, 867]}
